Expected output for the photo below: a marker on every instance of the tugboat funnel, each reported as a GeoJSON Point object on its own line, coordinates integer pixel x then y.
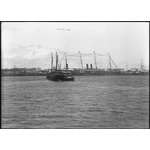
{"type": "Point", "coordinates": [91, 66]}
{"type": "Point", "coordinates": [87, 67]}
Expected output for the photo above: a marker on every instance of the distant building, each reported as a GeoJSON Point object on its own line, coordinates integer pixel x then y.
{"type": "Point", "coordinates": [134, 69]}
{"type": "Point", "coordinates": [38, 69]}
{"type": "Point", "coordinates": [13, 71]}
{"type": "Point", "coordinates": [44, 71]}
{"type": "Point", "coordinates": [30, 70]}
{"type": "Point", "coordinates": [7, 72]}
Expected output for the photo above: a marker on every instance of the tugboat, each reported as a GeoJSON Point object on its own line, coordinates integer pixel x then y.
{"type": "Point", "coordinates": [57, 74]}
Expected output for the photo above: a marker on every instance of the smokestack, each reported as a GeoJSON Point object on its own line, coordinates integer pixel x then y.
{"type": "Point", "coordinates": [66, 66]}
{"type": "Point", "coordinates": [57, 58]}
{"type": "Point", "coordinates": [91, 66]}
{"type": "Point", "coordinates": [87, 67]}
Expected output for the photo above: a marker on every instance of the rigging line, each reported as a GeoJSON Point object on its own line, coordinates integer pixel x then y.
{"type": "Point", "coordinates": [86, 54]}
{"type": "Point", "coordinates": [61, 60]}
{"type": "Point", "coordinates": [72, 55]}
{"type": "Point", "coordinates": [113, 62]}
{"type": "Point", "coordinates": [100, 54]}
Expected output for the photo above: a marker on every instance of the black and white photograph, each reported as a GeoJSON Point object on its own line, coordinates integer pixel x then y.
{"type": "Point", "coordinates": [74, 75]}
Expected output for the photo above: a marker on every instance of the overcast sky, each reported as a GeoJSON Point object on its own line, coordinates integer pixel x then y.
{"type": "Point", "coordinates": [29, 44]}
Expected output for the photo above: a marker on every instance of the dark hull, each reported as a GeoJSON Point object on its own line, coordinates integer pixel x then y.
{"type": "Point", "coordinates": [140, 74]}
{"type": "Point", "coordinates": [68, 79]}
{"type": "Point", "coordinates": [95, 73]}
{"type": "Point", "coordinates": [59, 77]}
{"type": "Point", "coordinates": [106, 73]}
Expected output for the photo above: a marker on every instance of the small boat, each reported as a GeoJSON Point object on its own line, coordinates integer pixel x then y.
{"type": "Point", "coordinates": [59, 75]}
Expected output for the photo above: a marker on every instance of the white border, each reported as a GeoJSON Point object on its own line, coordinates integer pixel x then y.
{"type": "Point", "coordinates": [68, 10]}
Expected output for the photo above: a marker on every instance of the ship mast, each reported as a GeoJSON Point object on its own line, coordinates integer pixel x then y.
{"type": "Point", "coordinates": [109, 60]}
{"type": "Point", "coordinates": [112, 62]}
{"type": "Point", "coordinates": [95, 60]}
{"type": "Point", "coordinates": [81, 60]}
{"type": "Point", "coordinates": [66, 63]}
{"type": "Point", "coordinates": [14, 66]}
{"type": "Point", "coordinates": [126, 66]}
{"type": "Point", "coordinates": [142, 65]}
{"type": "Point", "coordinates": [56, 61]}
{"type": "Point", "coordinates": [51, 61]}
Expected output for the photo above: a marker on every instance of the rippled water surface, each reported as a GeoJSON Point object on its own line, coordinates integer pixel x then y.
{"type": "Point", "coordinates": [88, 102]}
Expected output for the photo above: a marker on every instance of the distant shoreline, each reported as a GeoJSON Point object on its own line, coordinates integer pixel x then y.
{"type": "Point", "coordinates": [81, 75]}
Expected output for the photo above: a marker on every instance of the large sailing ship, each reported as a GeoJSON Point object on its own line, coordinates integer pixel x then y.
{"type": "Point", "coordinates": [110, 71]}
{"type": "Point", "coordinates": [90, 71]}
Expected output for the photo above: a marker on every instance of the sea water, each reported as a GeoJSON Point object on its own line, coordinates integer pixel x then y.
{"type": "Point", "coordinates": [89, 102]}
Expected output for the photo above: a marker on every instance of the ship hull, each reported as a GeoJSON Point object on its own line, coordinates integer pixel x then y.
{"type": "Point", "coordinates": [95, 73]}
{"type": "Point", "coordinates": [106, 73]}
{"type": "Point", "coordinates": [59, 77]}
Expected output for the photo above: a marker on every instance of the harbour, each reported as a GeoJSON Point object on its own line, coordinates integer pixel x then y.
{"type": "Point", "coordinates": [75, 75]}
{"type": "Point", "coordinates": [85, 70]}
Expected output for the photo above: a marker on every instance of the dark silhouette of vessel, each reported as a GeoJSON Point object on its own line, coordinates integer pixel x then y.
{"type": "Point", "coordinates": [59, 75]}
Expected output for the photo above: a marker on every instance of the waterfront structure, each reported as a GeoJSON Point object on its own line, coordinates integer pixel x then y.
{"type": "Point", "coordinates": [89, 70]}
